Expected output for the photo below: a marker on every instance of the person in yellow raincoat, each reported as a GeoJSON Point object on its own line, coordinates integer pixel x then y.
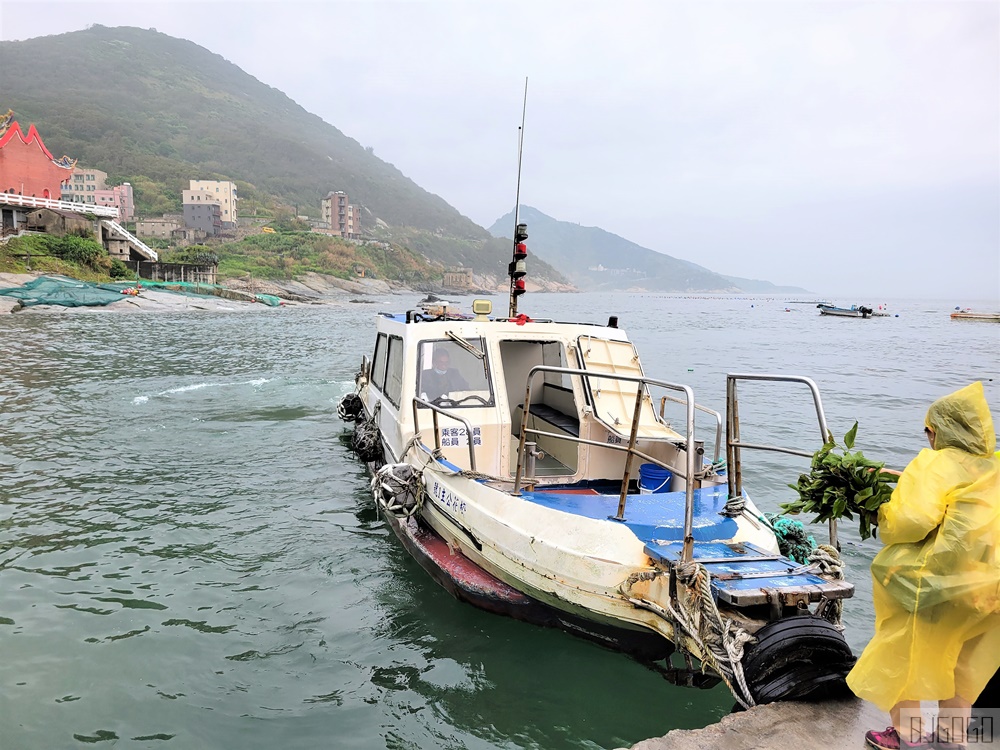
{"type": "Point", "coordinates": [936, 582]}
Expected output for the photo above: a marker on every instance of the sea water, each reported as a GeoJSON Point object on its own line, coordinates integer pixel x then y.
{"type": "Point", "coordinates": [190, 558]}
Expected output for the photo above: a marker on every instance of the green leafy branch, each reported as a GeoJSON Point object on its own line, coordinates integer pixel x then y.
{"type": "Point", "coordinates": [843, 485]}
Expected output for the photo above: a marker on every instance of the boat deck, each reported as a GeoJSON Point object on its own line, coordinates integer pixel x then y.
{"type": "Point", "coordinates": [652, 518]}
{"type": "Point", "coordinates": [742, 573]}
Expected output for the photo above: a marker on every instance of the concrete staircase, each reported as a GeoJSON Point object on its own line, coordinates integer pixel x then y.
{"type": "Point", "coordinates": [140, 247]}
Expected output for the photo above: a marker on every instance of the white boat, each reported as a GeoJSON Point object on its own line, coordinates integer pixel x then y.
{"type": "Point", "coordinates": [532, 475]}
{"type": "Point", "coordinates": [854, 311]}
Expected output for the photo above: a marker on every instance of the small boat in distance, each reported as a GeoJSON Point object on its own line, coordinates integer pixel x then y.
{"type": "Point", "coordinates": [854, 311]}
{"type": "Point", "coordinates": [970, 315]}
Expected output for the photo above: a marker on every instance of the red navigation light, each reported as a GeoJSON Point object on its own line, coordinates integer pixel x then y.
{"type": "Point", "coordinates": [518, 288]}
{"type": "Point", "coordinates": [520, 251]}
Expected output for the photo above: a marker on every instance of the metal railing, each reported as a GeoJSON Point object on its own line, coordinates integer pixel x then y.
{"type": "Point", "coordinates": [706, 410]}
{"type": "Point", "coordinates": [630, 449]}
{"type": "Point", "coordinates": [734, 445]}
{"type": "Point", "coordinates": [417, 401]}
{"type": "Point", "coordinates": [30, 201]}
{"type": "Point", "coordinates": [138, 244]}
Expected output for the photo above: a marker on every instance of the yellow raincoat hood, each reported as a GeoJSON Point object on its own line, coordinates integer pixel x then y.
{"type": "Point", "coordinates": [962, 420]}
{"type": "Point", "coordinates": [936, 583]}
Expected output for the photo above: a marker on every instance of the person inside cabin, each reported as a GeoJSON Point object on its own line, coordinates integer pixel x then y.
{"type": "Point", "coordinates": [936, 582]}
{"type": "Point", "coordinates": [441, 379]}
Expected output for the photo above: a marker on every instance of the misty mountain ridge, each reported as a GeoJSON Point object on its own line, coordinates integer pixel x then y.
{"type": "Point", "coordinates": [597, 260]}
{"type": "Point", "coordinates": [169, 110]}
{"type": "Point", "coordinates": [157, 111]}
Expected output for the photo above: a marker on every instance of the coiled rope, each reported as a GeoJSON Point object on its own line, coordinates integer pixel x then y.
{"type": "Point", "coordinates": [826, 561]}
{"type": "Point", "coordinates": [734, 506]}
{"type": "Point", "coordinates": [793, 539]}
{"type": "Point", "coordinates": [720, 643]}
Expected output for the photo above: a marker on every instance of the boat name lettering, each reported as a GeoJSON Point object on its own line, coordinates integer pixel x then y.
{"type": "Point", "coordinates": [447, 498]}
{"type": "Point", "coordinates": [614, 439]}
{"type": "Point", "coordinates": [454, 436]}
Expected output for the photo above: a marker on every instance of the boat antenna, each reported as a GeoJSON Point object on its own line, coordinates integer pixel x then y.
{"type": "Point", "coordinates": [517, 269]}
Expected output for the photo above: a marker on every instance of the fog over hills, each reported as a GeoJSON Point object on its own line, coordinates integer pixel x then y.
{"type": "Point", "coordinates": [170, 110]}
{"type": "Point", "coordinates": [594, 259]}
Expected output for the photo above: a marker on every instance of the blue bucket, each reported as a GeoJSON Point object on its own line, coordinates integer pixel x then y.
{"type": "Point", "coordinates": [653, 478]}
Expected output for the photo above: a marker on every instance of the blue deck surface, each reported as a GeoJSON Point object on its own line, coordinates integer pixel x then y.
{"type": "Point", "coordinates": [737, 560]}
{"type": "Point", "coordinates": [652, 518]}
{"type": "Point", "coordinates": [743, 552]}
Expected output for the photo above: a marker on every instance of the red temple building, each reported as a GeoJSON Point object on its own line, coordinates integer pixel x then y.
{"type": "Point", "coordinates": [26, 166]}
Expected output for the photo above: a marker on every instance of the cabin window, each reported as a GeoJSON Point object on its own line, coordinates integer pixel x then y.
{"type": "Point", "coordinates": [378, 363]}
{"type": "Point", "coordinates": [394, 370]}
{"type": "Point", "coordinates": [453, 375]}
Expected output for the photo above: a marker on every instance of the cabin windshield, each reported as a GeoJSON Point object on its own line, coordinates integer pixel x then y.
{"type": "Point", "coordinates": [453, 376]}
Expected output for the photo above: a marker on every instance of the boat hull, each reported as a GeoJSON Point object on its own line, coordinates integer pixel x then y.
{"type": "Point", "coordinates": [842, 313]}
{"type": "Point", "coordinates": [992, 317]}
{"type": "Point", "coordinates": [470, 583]}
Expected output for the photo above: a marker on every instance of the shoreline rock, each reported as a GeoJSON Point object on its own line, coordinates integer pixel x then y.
{"type": "Point", "coordinates": [311, 289]}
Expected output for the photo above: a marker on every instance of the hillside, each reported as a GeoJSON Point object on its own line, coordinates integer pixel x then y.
{"type": "Point", "coordinates": [157, 111]}
{"type": "Point", "coordinates": [595, 259]}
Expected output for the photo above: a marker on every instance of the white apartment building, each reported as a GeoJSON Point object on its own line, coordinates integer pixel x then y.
{"type": "Point", "coordinates": [225, 192]}
{"type": "Point", "coordinates": [80, 188]}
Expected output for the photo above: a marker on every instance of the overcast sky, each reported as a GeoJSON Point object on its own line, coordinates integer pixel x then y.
{"type": "Point", "coordinates": [848, 147]}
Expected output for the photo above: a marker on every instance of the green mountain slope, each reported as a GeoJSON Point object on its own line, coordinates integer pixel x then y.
{"type": "Point", "coordinates": [157, 111]}
{"type": "Point", "coordinates": [134, 101]}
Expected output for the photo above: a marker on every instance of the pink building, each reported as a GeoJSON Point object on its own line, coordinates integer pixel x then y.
{"type": "Point", "coordinates": [121, 198]}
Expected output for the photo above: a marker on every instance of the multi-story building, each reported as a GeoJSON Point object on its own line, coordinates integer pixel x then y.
{"type": "Point", "coordinates": [202, 211]}
{"type": "Point", "coordinates": [225, 192]}
{"type": "Point", "coordinates": [121, 197]}
{"type": "Point", "coordinates": [458, 278]}
{"type": "Point", "coordinates": [340, 216]}
{"type": "Point", "coordinates": [164, 227]}
{"type": "Point", "coordinates": [84, 185]}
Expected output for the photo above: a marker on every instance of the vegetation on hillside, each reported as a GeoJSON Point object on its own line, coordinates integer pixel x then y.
{"type": "Point", "coordinates": [73, 255]}
{"type": "Point", "coordinates": [285, 255]}
{"type": "Point", "coordinates": [168, 111]}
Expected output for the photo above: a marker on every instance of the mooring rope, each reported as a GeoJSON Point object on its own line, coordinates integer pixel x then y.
{"type": "Point", "coordinates": [734, 506]}
{"type": "Point", "coordinates": [793, 539]}
{"type": "Point", "coordinates": [720, 643]}
{"type": "Point", "coordinates": [827, 562]}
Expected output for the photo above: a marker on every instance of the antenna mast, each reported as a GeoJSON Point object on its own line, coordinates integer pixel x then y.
{"type": "Point", "coordinates": [517, 269]}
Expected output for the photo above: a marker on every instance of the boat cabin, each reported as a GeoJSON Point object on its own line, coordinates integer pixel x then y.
{"type": "Point", "coordinates": [459, 379]}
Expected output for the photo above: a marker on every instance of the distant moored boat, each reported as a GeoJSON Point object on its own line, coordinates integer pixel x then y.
{"type": "Point", "coordinates": [969, 315]}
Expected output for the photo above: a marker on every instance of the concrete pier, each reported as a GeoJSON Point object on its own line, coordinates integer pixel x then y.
{"type": "Point", "coordinates": [834, 725]}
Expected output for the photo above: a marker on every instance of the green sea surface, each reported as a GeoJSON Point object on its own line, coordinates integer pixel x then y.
{"type": "Point", "coordinates": [190, 556]}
